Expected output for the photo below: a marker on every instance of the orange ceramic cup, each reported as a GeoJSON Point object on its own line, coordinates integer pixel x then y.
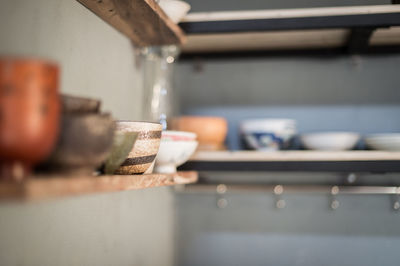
{"type": "Point", "coordinates": [29, 114]}
{"type": "Point", "coordinates": [211, 131]}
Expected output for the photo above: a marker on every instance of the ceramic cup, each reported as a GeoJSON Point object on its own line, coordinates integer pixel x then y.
{"type": "Point", "coordinates": [145, 149]}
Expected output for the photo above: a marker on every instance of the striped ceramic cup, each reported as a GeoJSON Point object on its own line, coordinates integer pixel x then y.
{"type": "Point", "coordinates": [145, 148]}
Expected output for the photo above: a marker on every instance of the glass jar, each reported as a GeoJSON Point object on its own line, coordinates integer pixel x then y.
{"type": "Point", "coordinates": [157, 63]}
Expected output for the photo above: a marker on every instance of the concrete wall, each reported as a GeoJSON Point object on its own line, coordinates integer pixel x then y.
{"type": "Point", "coordinates": [130, 228]}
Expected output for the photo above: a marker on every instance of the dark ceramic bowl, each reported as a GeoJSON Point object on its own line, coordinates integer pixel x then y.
{"type": "Point", "coordinates": [84, 144]}
{"type": "Point", "coordinates": [74, 104]}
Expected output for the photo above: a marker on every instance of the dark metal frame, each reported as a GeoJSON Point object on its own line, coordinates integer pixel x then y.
{"type": "Point", "coordinates": [362, 26]}
{"type": "Point", "coordinates": [358, 41]}
{"type": "Point", "coordinates": [315, 53]}
{"type": "Point", "coordinates": [384, 166]}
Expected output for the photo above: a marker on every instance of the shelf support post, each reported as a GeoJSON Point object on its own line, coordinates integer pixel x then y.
{"type": "Point", "coordinates": [358, 41]}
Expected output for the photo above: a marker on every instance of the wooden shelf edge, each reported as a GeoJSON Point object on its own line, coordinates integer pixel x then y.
{"type": "Point", "coordinates": [46, 187]}
{"type": "Point", "coordinates": [142, 21]}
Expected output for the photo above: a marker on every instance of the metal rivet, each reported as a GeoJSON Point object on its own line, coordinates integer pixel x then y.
{"type": "Point", "coordinates": [334, 204]}
{"type": "Point", "coordinates": [170, 59]}
{"type": "Point", "coordinates": [351, 178]}
{"type": "Point", "coordinates": [335, 190]}
{"type": "Point", "coordinates": [280, 204]}
{"type": "Point", "coordinates": [221, 189]}
{"type": "Point", "coordinates": [278, 190]}
{"type": "Point", "coordinates": [222, 203]}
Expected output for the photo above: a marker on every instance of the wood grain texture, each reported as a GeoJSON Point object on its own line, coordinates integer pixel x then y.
{"type": "Point", "coordinates": [243, 156]}
{"type": "Point", "coordinates": [45, 187]}
{"type": "Point", "coordinates": [142, 21]}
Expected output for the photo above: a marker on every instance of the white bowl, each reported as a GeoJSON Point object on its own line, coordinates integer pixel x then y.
{"type": "Point", "coordinates": [330, 141]}
{"type": "Point", "coordinates": [268, 134]}
{"type": "Point", "coordinates": [172, 154]}
{"type": "Point", "coordinates": [178, 135]}
{"type": "Point", "coordinates": [386, 142]}
{"type": "Point", "coordinates": [175, 9]}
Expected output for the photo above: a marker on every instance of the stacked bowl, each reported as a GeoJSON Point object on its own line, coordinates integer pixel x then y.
{"type": "Point", "coordinates": [176, 147]}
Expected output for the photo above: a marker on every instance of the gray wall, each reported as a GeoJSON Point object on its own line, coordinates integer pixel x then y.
{"type": "Point", "coordinates": [124, 228]}
{"type": "Point", "coordinates": [251, 231]}
{"type": "Point", "coordinates": [129, 228]}
{"type": "Point", "coordinates": [277, 81]}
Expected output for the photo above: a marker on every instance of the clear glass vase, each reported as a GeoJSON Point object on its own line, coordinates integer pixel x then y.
{"type": "Point", "coordinates": [157, 66]}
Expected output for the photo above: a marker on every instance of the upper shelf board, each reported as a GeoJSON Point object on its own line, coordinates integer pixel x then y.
{"type": "Point", "coordinates": [142, 21]}
{"type": "Point", "coordinates": [292, 19]}
{"type": "Point", "coordinates": [289, 29]}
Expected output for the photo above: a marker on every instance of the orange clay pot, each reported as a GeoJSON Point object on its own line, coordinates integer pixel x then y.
{"type": "Point", "coordinates": [29, 114]}
{"type": "Point", "coordinates": [211, 131]}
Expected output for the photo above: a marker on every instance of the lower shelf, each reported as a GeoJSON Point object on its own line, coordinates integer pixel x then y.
{"type": "Point", "coordinates": [45, 187]}
{"type": "Point", "coordinates": [298, 161]}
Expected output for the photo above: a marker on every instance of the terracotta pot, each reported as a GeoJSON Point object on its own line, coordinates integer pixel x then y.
{"type": "Point", "coordinates": [211, 131]}
{"type": "Point", "coordinates": [29, 114]}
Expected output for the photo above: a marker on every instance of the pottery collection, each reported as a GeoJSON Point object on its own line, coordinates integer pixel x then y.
{"type": "Point", "coordinates": [72, 136]}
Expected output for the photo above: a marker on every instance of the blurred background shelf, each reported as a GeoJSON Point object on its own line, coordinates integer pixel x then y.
{"type": "Point", "coordinates": [308, 161]}
{"type": "Point", "coordinates": [355, 29]}
{"type": "Point", "coordinates": [45, 187]}
{"type": "Point", "coordinates": [142, 21]}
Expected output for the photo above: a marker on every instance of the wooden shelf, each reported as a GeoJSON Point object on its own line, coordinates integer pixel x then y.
{"type": "Point", "coordinates": [289, 28]}
{"type": "Point", "coordinates": [142, 21]}
{"type": "Point", "coordinates": [44, 187]}
{"type": "Point", "coordinates": [308, 161]}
